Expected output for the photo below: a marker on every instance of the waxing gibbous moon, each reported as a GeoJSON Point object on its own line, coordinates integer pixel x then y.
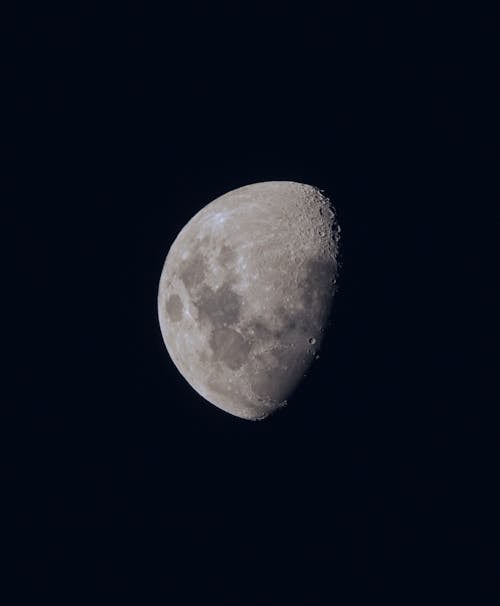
{"type": "Point", "coordinates": [246, 293]}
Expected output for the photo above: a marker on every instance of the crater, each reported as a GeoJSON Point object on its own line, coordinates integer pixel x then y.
{"type": "Point", "coordinates": [174, 308]}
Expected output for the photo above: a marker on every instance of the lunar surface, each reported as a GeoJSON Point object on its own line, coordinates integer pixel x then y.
{"type": "Point", "coordinates": [246, 293]}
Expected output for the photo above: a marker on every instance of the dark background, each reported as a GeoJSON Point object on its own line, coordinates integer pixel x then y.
{"type": "Point", "coordinates": [379, 476]}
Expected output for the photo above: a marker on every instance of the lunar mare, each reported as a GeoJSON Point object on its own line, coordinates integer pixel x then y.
{"type": "Point", "coordinates": [246, 292]}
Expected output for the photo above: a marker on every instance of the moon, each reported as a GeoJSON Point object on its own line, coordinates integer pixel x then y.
{"type": "Point", "coordinates": [246, 293]}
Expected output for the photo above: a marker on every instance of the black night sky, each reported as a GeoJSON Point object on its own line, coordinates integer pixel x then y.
{"type": "Point", "coordinates": [378, 477]}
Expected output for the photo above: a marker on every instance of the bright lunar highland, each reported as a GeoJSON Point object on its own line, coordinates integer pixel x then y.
{"type": "Point", "coordinates": [246, 293]}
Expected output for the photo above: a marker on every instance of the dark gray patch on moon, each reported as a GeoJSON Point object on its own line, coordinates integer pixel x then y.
{"type": "Point", "coordinates": [316, 292]}
{"type": "Point", "coordinates": [174, 308]}
{"type": "Point", "coordinates": [292, 323]}
{"type": "Point", "coordinates": [265, 386]}
{"type": "Point", "coordinates": [259, 331]}
{"type": "Point", "coordinates": [227, 256]}
{"type": "Point", "coordinates": [220, 307]}
{"type": "Point", "coordinates": [192, 272]}
{"type": "Point", "coordinates": [229, 347]}
{"type": "Point", "coordinates": [278, 372]}
{"type": "Point", "coordinates": [294, 326]}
